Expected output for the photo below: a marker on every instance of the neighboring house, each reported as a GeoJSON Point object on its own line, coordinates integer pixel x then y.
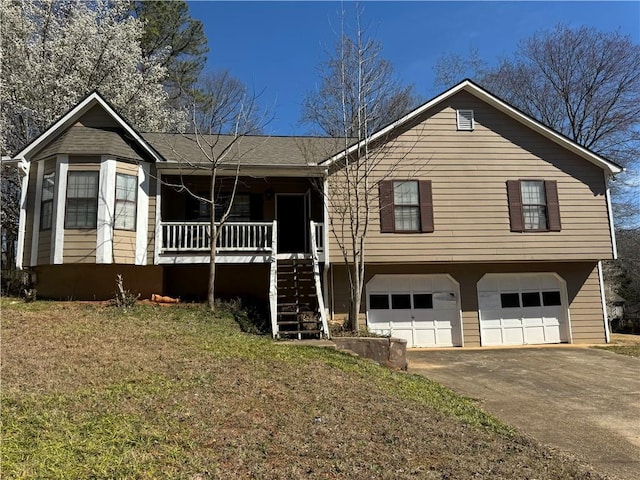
{"type": "Point", "coordinates": [491, 231]}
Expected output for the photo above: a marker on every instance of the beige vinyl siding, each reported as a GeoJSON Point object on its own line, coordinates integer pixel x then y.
{"type": "Point", "coordinates": [468, 171]}
{"type": "Point", "coordinates": [151, 225]}
{"type": "Point", "coordinates": [80, 246]}
{"type": "Point", "coordinates": [587, 317]}
{"type": "Point", "coordinates": [97, 117]}
{"type": "Point", "coordinates": [583, 291]}
{"type": "Point", "coordinates": [44, 247]}
{"type": "Point", "coordinates": [124, 246]}
{"type": "Point", "coordinates": [127, 168]}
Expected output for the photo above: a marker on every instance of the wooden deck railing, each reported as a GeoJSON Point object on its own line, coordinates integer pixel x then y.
{"type": "Point", "coordinates": [235, 236]}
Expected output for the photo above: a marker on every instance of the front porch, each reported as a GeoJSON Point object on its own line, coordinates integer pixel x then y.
{"type": "Point", "coordinates": [238, 242]}
{"type": "Point", "coordinates": [268, 216]}
{"type": "Point", "coordinates": [276, 224]}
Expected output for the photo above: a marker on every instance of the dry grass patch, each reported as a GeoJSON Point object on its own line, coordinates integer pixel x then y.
{"type": "Point", "coordinates": [91, 392]}
{"type": "Point", "coordinates": [623, 344]}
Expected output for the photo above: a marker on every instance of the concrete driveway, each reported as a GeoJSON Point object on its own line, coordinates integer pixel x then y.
{"type": "Point", "coordinates": [581, 400]}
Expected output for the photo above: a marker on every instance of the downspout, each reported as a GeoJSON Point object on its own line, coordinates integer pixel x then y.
{"type": "Point", "coordinates": [24, 167]}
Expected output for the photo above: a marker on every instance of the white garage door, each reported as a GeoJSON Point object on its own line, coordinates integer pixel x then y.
{"type": "Point", "coordinates": [422, 309]}
{"type": "Point", "coordinates": [521, 309]}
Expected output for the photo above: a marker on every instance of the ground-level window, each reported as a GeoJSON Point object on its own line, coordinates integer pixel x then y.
{"type": "Point", "coordinates": [126, 195]}
{"type": "Point", "coordinates": [46, 206]}
{"type": "Point", "coordinates": [82, 200]}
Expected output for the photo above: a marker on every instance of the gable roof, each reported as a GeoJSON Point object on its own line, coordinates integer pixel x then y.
{"type": "Point", "coordinates": [479, 92]}
{"type": "Point", "coordinates": [73, 115]}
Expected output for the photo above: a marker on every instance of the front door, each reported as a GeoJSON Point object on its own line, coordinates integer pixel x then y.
{"type": "Point", "coordinates": [291, 214]}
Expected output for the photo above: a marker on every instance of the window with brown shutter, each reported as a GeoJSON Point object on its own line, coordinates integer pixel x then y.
{"type": "Point", "coordinates": [406, 206]}
{"type": "Point", "coordinates": [533, 205]}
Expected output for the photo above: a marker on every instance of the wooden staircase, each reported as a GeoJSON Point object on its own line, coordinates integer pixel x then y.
{"type": "Point", "coordinates": [297, 300]}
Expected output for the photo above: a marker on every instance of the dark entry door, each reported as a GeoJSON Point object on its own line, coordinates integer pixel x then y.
{"type": "Point", "coordinates": [291, 215]}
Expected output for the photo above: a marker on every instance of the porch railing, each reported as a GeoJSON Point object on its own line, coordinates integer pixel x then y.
{"type": "Point", "coordinates": [319, 231]}
{"type": "Point", "coordinates": [235, 236]}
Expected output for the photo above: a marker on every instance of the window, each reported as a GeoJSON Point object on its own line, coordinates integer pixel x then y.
{"type": "Point", "coordinates": [82, 200]}
{"type": "Point", "coordinates": [422, 300]}
{"type": "Point", "coordinates": [531, 299]}
{"type": "Point", "coordinates": [401, 301]}
{"type": "Point", "coordinates": [464, 119]}
{"type": "Point", "coordinates": [406, 206]}
{"type": "Point", "coordinates": [533, 205]}
{"type": "Point", "coordinates": [126, 195]}
{"type": "Point", "coordinates": [551, 299]}
{"type": "Point", "coordinates": [46, 207]}
{"type": "Point", "coordinates": [240, 210]}
{"type": "Point", "coordinates": [510, 300]}
{"type": "Point", "coordinates": [379, 302]}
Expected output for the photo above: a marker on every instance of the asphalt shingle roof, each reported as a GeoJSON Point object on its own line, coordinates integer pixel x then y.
{"type": "Point", "coordinates": [252, 150]}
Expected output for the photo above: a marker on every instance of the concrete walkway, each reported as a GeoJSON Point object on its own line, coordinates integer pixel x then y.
{"type": "Point", "coordinates": [581, 400]}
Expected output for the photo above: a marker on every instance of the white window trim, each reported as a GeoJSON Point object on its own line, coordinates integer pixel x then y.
{"type": "Point", "coordinates": [106, 210]}
{"type": "Point", "coordinates": [59, 199]}
{"type": "Point", "coordinates": [142, 214]}
{"type": "Point", "coordinates": [464, 127]}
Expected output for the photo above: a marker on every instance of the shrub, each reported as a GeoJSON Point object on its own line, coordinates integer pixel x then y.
{"type": "Point", "coordinates": [123, 298]}
{"type": "Point", "coordinates": [250, 315]}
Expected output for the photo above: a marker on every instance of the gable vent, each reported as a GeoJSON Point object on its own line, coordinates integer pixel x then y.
{"type": "Point", "coordinates": [465, 119]}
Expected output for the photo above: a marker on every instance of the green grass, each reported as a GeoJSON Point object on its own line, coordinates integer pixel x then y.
{"type": "Point", "coordinates": [629, 350]}
{"type": "Point", "coordinates": [623, 344]}
{"type": "Point", "coordinates": [92, 392]}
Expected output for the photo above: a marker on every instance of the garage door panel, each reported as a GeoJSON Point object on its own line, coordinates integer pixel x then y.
{"type": "Point", "coordinates": [514, 312]}
{"type": "Point", "coordinates": [427, 313]}
{"type": "Point", "coordinates": [513, 336]}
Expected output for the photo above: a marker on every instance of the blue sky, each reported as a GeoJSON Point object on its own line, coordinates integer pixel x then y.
{"type": "Point", "coordinates": [275, 47]}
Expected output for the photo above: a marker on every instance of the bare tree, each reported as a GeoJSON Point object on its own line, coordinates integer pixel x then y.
{"type": "Point", "coordinates": [219, 121]}
{"type": "Point", "coordinates": [357, 96]}
{"type": "Point", "coordinates": [583, 83]}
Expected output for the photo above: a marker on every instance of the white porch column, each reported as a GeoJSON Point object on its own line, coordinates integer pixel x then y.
{"type": "Point", "coordinates": [106, 210]}
{"type": "Point", "coordinates": [157, 242]}
{"type": "Point", "coordinates": [25, 168]}
{"type": "Point", "coordinates": [59, 200]}
{"type": "Point", "coordinates": [142, 214]}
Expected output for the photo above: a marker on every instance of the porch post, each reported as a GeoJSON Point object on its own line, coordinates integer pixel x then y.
{"type": "Point", "coordinates": [316, 277]}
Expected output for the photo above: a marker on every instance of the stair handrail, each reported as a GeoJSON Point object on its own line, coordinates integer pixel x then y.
{"type": "Point", "coordinates": [273, 281]}
{"type": "Point", "coordinates": [316, 277]}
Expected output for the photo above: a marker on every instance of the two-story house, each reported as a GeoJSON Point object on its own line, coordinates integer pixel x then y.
{"type": "Point", "coordinates": [489, 227]}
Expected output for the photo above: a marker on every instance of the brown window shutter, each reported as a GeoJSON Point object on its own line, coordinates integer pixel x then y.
{"type": "Point", "coordinates": [553, 206]}
{"type": "Point", "coordinates": [515, 205]}
{"type": "Point", "coordinates": [426, 206]}
{"type": "Point", "coordinates": [387, 216]}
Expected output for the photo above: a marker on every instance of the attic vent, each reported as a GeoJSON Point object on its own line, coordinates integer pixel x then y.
{"type": "Point", "coordinates": [465, 119]}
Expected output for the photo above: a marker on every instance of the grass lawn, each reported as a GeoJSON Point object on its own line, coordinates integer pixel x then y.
{"type": "Point", "coordinates": [624, 344]}
{"type": "Point", "coordinates": [91, 392]}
